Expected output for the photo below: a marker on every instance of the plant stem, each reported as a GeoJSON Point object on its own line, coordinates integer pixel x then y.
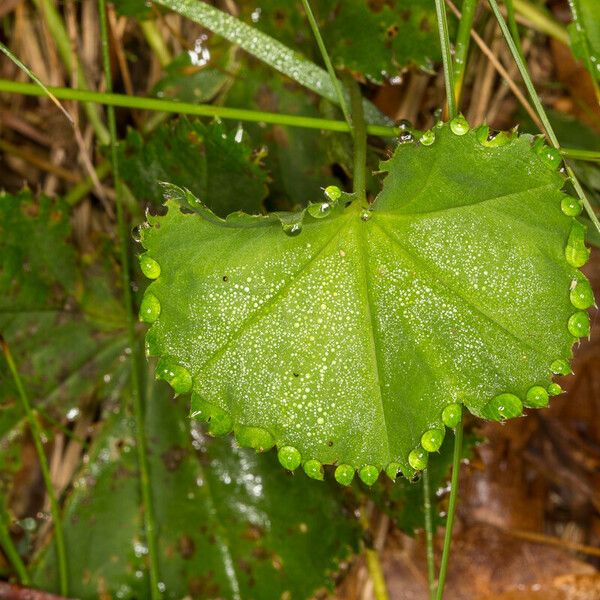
{"type": "Point", "coordinates": [12, 554]}
{"type": "Point", "coordinates": [204, 110]}
{"type": "Point", "coordinates": [373, 563]}
{"type": "Point", "coordinates": [136, 386]}
{"type": "Point", "coordinates": [428, 533]}
{"type": "Point", "coordinates": [328, 64]}
{"type": "Point", "coordinates": [61, 38]}
{"type": "Point", "coordinates": [442, 21]}
{"type": "Point", "coordinates": [458, 443]}
{"type": "Point", "coordinates": [463, 40]}
{"type": "Point", "coordinates": [542, 21]}
{"type": "Point", "coordinates": [155, 41]}
{"type": "Point", "coordinates": [271, 51]}
{"type": "Point", "coordinates": [359, 132]}
{"type": "Point", "coordinates": [578, 154]}
{"type": "Point", "coordinates": [540, 108]}
{"type": "Point", "coordinates": [514, 30]}
{"type": "Point", "coordinates": [36, 434]}
{"type": "Point", "coordinates": [583, 40]}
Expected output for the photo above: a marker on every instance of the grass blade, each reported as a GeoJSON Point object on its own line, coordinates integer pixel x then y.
{"type": "Point", "coordinates": [136, 362]}
{"type": "Point", "coordinates": [36, 434]}
{"type": "Point", "coordinates": [269, 50]}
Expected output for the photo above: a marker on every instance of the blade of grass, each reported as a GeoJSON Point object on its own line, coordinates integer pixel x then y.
{"type": "Point", "coordinates": [204, 110]}
{"type": "Point", "coordinates": [462, 46]}
{"type": "Point", "coordinates": [577, 154]}
{"type": "Point", "coordinates": [9, 549]}
{"type": "Point", "coordinates": [456, 457]}
{"type": "Point", "coordinates": [514, 30]}
{"type": "Point", "coordinates": [328, 64]}
{"type": "Point", "coordinates": [36, 434]}
{"type": "Point", "coordinates": [428, 533]}
{"type": "Point", "coordinates": [35, 78]}
{"type": "Point", "coordinates": [442, 22]}
{"type": "Point", "coordinates": [359, 133]}
{"type": "Point", "coordinates": [269, 50]}
{"type": "Point", "coordinates": [373, 563]}
{"type": "Point", "coordinates": [136, 363]}
{"type": "Point", "coordinates": [584, 44]}
{"type": "Point", "coordinates": [541, 20]}
{"type": "Point", "coordinates": [61, 38]}
{"type": "Point", "coordinates": [540, 108]}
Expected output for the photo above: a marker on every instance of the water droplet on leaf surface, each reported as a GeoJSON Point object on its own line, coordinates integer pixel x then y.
{"type": "Point", "coordinates": [344, 474]}
{"type": "Point", "coordinates": [369, 474]}
{"type": "Point", "coordinates": [571, 206]}
{"type": "Point", "coordinates": [451, 415]}
{"type": "Point", "coordinates": [432, 440]}
{"type": "Point", "coordinates": [314, 469]}
{"type": "Point", "coordinates": [175, 375]}
{"type": "Point", "coordinates": [427, 138]}
{"type": "Point", "coordinates": [289, 457]}
{"type": "Point", "coordinates": [150, 268]}
{"type": "Point", "coordinates": [537, 397]}
{"type": "Point", "coordinates": [459, 125]}
{"type": "Point", "coordinates": [503, 406]}
{"type": "Point", "coordinates": [581, 295]}
{"type": "Point", "coordinates": [149, 308]}
{"type": "Point", "coordinates": [560, 367]}
{"type": "Point", "coordinates": [418, 459]}
{"type": "Point", "coordinates": [579, 324]}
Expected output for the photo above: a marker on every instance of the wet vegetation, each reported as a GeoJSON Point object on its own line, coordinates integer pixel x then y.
{"type": "Point", "coordinates": [275, 276]}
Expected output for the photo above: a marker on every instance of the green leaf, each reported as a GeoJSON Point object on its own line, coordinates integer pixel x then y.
{"type": "Point", "coordinates": [58, 329]}
{"type": "Point", "coordinates": [216, 164]}
{"type": "Point", "coordinates": [269, 50]}
{"type": "Point", "coordinates": [231, 524]}
{"type": "Point", "coordinates": [585, 34]}
{"type": "Point", "coordinates": [349, 340]}
{"type": "Point", "coordinates": [376, 39]}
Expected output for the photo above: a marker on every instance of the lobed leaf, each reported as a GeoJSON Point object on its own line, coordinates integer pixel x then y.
{"type": "Point", "coordinates": [585, 34]}
{"type": "Point", "coordinates": [217, 165]}
{"type": "Point", "coordinates": [230, 524]}
{"type": "Point", "coordinates": [356, 341]}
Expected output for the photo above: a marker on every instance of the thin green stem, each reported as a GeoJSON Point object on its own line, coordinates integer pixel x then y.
{"type": "Point", "coordinates": [514, 29]}
{"type": "Point", "coordinates": [428, 533]}
{"type": "Point", "coordinates": [136, 364]}
{"type": "Point", "coordinates": [442, 21]}
{"type": "Point", "coordinates": [328, 64]}
{"type": "Point", "coordinates": [585, 46]}
{"type": "Point", "coordinates": [359, 132]}
{"type": "Point", "coordinates": [35, 78]}
{"type": "Point", "coordinates": [9, 549]}
{"type": "Point", "coordinates": [578, 154]}
{"type": "Point", "coordinates": [156, 42]}
{"type": "Point", "coordinates": [36, 434]}
{"type": "Point", "coordinates": [456, 457]}
{"type": "Point", "coordinates": [373, 563]}
{"type": "Point", "coordinates": [203, 110]}
{"type": "Point", "coordinates": [541, 20]}
{"type": "Point", "coordinates": [61, 38]}
{"type": "Point", "coordinates": [540, 108]}
{"type": "Point", "coordinates": [463, 40]}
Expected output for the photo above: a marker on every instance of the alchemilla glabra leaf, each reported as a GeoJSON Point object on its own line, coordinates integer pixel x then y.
{"type": "Point", "coordinates": [352, 337]}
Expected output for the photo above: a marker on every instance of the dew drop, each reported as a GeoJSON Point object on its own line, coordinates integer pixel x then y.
{"type": "Point", "coordinates": [292, 229]}
{"type": "Point", "coordinates": [432, 440]}
{"type": "Point", "coordinates": [405, 137]}
{"type": "Point", "coordinates": [150, 268]}
{"type": "Point", "coordinates": [576, 252]}
{"type": "Point", "coordinates": [537, 397]}
{"type": "Point", "coordinates": [368, 474]}
{"type": "Point", "coordinates": [550, 156]}
{"type": "Point", "coordinates": [149, 308]}
{"type": "Point", "coordinates": [404, 125]}
{"type": "Point", "coordinates": [451, 415]}
{"type": "Point", "coordinates": [418, 459]}
{"type": "Point", "coordinates": [314, 469]}
{"type": "Point", "coordinates": [333, 192]}
{"type": "Point", "coordinates": [554, 389]}
{"type": "Point", "coordinates": [254, 437]}
{"type": "Point", "coordinates": [571, 206]}
{"type": "Point", "coordinates": [581, 295]}
{"type": "Point", "coordinates": [579, 324]}
{"type": "Point", "coordinates": [365, 215]}
{"type": "Point", "coordinates": [427, 138]}
{"type": "Point", "coordinates": [459, 125]}
{"type": "Point", "coordinates": [344, 474]}
{"type": "Point", "coordinates": [319, 210]}
{"type": "Point", "coordinates": [289, 458]}
{"type": "Point", "coordinates": [503, 406]}
{"type": "Point", "coordinates": [560, 367]}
